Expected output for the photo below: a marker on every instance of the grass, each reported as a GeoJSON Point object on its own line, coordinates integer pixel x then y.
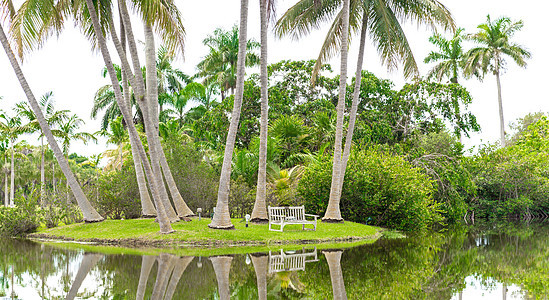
{"type": "Point", "coordinates": [144, 232]}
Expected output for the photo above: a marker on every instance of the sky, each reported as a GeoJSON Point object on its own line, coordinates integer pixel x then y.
{"type": "Point", "coordinates": [68, 67]}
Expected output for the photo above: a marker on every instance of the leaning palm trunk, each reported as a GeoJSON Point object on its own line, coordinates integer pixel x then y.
{"type": "Point", "coordinates": [222, 218]}
{"type": "Point", "coordinates": [146, 266]}
{"type": "Point", "coordinates": [500, 104]}
{"type": "Point", "coordinates": [354, 105]}
{"type": "Point", "coordinates": [180, 267]}
{"type": "Point", "coordinates": [166, 264]}
{"type": "Point", "coordinates": [180, 206]}
{"type": "Point", "coordinates": [222, 269]}
{"type": "Point", "coordinates": [261, 263]}
{"type": "Point", "coordinates": [152, 170]}
{"type": "Point", "coordinates": [89, 213]}
{"type": "Point", "coordinates": [42, 172]}
{"type": "Point", "coordinates": [333, 258]}
{"type": "Point", "coordinates": [88, 261]}
{"type": "Point", "coordinates": [165, 226]}
{"type": "Point", "coordinates": [12, 174]}
{"type": "Point", "coordinates": [333, 212]}
{"type": "Point", "coordinates": [155, 149]}
{"type": "Point", "coordinates": [147, 207]}
{"type": "Point", "coordinates": [259, 213]}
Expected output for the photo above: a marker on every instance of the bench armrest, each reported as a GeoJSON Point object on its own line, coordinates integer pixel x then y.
{"type": "Point", "coordinates": [309, 215]}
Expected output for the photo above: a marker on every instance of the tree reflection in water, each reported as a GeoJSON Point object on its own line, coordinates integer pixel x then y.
{"type": "Point", "coordinates": [502, 260]}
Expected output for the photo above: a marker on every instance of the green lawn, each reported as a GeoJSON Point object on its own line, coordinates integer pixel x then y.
{"type": "Point", "coordinates": [198, 233]}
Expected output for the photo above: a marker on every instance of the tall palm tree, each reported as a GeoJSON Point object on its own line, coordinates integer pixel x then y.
{"type": "Point", "coordinates": [259, 212]}
{"type": "Point", "coordinates": [219, 67]}
{"type": "Point", "coordinates": [222, 218]}
{"type": "Point", "coordinates": [53, 118]}
{"type": "Point", "coordinates": [382, 20]}
{"type": "Point", "coordinates": [118, 136]}
{"type": "Point", "coordinates": [89, 213]}
{"type": "Point", "coordinates": [450, 57]}
{"type": "Point", "coordinates": [494, 42]}
{"type": "Point", "coordinates": [4, 153]}
{"type": "Point", "coordinates": [12, 128]}
{"type": "Point", "coordinates": [68, 132]}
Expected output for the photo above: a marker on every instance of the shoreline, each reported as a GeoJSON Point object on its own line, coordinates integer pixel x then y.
{"type": "Point", "coordinates": [143, 233]}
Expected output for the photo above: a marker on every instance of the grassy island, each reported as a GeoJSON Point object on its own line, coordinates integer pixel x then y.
{"type": "Point", "coordinates": [144, 233]}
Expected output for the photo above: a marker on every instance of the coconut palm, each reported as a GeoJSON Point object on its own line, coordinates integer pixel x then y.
{"type": "Point", "coordinates": [494, 39]}
{"type": "Point", "coordinates": [53, 118]}
{"type": "Point", "coordinates": [118, 136]}
{"type": "Point", "coordinates": [222, 270]}
{"type": "Point", "coordinates": [219, 67]}
{"type": "Point", "coordinates": [259, 212]}
{"type": "Point", "coordinates": [450, 57]}
{"type": "Point", "coordinates": [11, 127]}
{"type": "Point", "coordinates": [89, 213]}
{"type": "Point", "coordinates": [4, 153]}
{"type": "Point", "coordinates": [382, 20]}
{"type": "Point", "coordinates": [182, 98]}
{"type": "Point", "coordinates": [222, 218]}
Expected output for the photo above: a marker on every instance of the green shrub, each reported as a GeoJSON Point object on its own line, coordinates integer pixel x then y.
{"type": "Point", "coordinates": [23, 218]}
{"type": "Point", "coordinates": [116, 195]}
{"type": "Point", "coordinates": [380, 186]}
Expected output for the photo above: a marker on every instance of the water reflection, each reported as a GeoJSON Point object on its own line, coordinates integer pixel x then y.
{"type": "Point", "coordinates": [502, 262]}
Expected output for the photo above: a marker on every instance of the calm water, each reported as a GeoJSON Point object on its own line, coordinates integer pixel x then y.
{"type": "Point", "coordinates": [484, 262]}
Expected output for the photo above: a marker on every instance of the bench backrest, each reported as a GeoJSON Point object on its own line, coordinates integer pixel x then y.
{"type": "Point", "coordinates": [281, 213]}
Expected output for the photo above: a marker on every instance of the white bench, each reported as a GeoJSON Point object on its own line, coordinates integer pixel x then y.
{"type": "Point", "coordinates": [283, 216]}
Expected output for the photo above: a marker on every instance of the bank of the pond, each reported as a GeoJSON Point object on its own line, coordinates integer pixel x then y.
{"type": "Point", "coordinates": [144, 233]}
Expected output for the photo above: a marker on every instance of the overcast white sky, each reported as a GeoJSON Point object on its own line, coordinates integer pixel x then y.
{"type": "Point", "coordinates": [68, 67]}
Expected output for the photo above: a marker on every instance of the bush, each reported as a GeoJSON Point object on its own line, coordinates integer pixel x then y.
{"type": "Point", "coordinates": [383, 187]}
{"type": "Point", "coordinates": [23, 218]}
{"type": "Point", "coordinates": [116, 194]}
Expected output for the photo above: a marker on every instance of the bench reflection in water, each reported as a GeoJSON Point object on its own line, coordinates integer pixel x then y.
{"type": "Point", "coordinates": [291, 260]}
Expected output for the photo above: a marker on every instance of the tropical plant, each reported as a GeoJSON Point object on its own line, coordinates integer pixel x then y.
{"type": "Point", "coordinates": [494, 40]}
{"type": "Point", "coordinates": [450, 57]}
{"type": "Point", "coordinates": [222, 219]}
{"type": "Point", "coordinates": [12, 128]}
{"type": "Point", "coordinates": [381, 18]}
{"type": "Point", "coordinates": [219, 67]}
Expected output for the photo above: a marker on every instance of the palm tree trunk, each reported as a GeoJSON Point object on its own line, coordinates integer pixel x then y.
{"type": "Point", "coordinates": [152, 169]}
{"type": "Point", "coordinates": [181, 207]}
{"type": "Point", "coordinates": [500, 104]}
{"type": "Point", "coordinates": [261, 264]}
{"type": "Point", "coordinates": [42, 172]}
{"type": "Point", "coordinates": [333, 258]}
{"type": "Point", "coordinates": [180, 267]}
{"type": "Point", "coordinates": [165, 226]}
{"type": "Point", "coordinates": [354, 106]}
{"type": "Point", "coordinates": [222, 269]}
{"type": "Point", "coordinates": [259, 213]}
{"type": "Point", "coordinates": [151, 116]}
{"type": "Point", "coordinates": [333, 212]}
{"type": "Point", "coordinates": [89, 213]}
{"type": "Point", "coordinates": [88, 261]}
{"type": "Point", "coordinates": [222, 218]}
{"type": "Point", "coordinates": [147, 207]}
{"type": "Point", "coordinates": [12, 174]}
{"type": "Point", "coordinates": [146, 266]}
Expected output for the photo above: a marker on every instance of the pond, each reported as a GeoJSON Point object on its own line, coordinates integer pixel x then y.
{"type": "Point", "coordinates": [502, 261]}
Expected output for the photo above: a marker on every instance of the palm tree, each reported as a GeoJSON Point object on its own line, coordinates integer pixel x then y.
{"type": "Point", "coordinates": [222, 270]}
{"type": "Point", "coordinates": [219, 67]}
{"type": "Point", "coordinates": [333, 259]}
{"type": "Point", "coordinates": [382, 18]}
{"type": "Point", "coordinates": [494, 40]}
{"type": "Point", "coordinates": [12, 128]}
{"type": "Point", "coordinates": [53, 118]}
{"type": "Point", "coordinates": [118, 136]}
{"type": "Point", "coordinates": [222, 218]}
{"type": "Point", "coordinates": [181, 99]}
{"type": "Point", "coordinates": [89, 213]}
{"type": "Point", "coordinates": [450, 57]}
{"type": "Point", "coordinates": [4, 153]}
{"type": "Point", "coordinates": [259, 212]}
